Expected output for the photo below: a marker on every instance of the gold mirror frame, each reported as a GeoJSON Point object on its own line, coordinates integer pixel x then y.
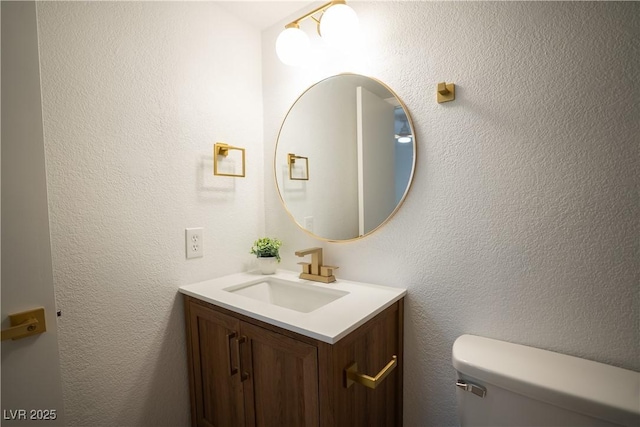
{"type": "Point", "coordinates": [411, 174]}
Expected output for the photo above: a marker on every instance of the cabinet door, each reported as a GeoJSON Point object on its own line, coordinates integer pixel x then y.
{"type": "Point", "coordinates": [282, 384]}
{"type": "Point", "coordinates": [215, 374]}
{"type": "Point", "coordinates": [372, 347]}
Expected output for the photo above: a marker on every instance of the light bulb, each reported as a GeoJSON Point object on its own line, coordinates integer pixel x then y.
{"type": "Point", "coordinates": [404, 139]}
{"type": "Point", "coordinates": [292, 46]}
{"type": "Point", "coordinates": [339, 25]}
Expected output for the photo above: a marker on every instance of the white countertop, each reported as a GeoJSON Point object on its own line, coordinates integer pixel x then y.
{"type": "Point", "coordinates": [329, 323]}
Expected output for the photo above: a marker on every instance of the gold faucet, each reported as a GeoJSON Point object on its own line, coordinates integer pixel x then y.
{"type": "Point", "coordinates": [316, 271]}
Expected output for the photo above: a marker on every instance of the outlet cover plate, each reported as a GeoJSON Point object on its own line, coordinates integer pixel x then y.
{"type": "Point", "coordinates": [194, 242]}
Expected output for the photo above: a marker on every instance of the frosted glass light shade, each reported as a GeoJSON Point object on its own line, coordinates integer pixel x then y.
{"type": "Point", "coordinates": [292, 46]}
{"type": "Point", "coordinates": [339, 25]}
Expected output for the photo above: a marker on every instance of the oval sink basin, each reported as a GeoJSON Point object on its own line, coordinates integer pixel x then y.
{"type": "Point", "coordinates": [304, 298]}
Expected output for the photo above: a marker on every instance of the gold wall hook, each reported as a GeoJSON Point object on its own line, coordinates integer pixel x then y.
{"type": "Point", "coordinates": [291, 160]}
{"type": "Point", "coordinates": [446, 92]}
{"type": "Point", "coordinates": [222, 149]}
{"type": "Point", "coordinates": [25, 324]}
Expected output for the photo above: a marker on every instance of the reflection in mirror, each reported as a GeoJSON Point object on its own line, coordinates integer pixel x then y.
{"type": "Point", "coordinates": [359, 151]}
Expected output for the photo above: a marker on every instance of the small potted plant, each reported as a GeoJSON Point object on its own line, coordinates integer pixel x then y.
{"type": "Point", "coordinates": [267, 251]}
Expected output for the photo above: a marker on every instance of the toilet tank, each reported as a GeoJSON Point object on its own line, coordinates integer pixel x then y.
{"type": "Point", "coordinates": [504, 384]}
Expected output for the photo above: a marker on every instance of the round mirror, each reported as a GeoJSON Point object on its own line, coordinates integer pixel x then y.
{"type": "Point", "coordinates": [345, 157]}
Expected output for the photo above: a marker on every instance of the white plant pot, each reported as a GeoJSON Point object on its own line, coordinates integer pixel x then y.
{"type": "Point", "coordinates": [267, 265]}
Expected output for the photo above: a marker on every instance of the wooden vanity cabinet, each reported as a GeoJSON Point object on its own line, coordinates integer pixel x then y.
{"type": "Point", "coordinates": [244, 372]}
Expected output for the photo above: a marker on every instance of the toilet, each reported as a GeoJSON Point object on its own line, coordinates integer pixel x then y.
{"type": "Point", "coordinates": [505, 384]}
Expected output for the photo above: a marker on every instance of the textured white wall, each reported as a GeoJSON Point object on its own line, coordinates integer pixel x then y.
{"type": "Point", "coordinates": [134, 96]}
{"type": "Point", "coordinates": [522, 222]}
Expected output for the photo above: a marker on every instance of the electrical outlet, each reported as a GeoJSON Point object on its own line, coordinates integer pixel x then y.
{"type": "Point", "coordinates": [308, 223]}
{"type": "Point", "coordinates": [194, 242]}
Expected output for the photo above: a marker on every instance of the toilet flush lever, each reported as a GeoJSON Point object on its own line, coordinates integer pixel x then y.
{"type": "Point", "coordinates": [473, 388]}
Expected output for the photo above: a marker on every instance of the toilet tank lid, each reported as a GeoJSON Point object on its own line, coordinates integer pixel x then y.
{"type": "Point", "coordinates": [584, 386]}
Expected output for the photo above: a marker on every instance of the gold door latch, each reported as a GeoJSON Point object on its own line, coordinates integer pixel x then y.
{"type": "Point", "coordinates": [25, 324]}
{"type": "Point", "coordinates": [353, 376]}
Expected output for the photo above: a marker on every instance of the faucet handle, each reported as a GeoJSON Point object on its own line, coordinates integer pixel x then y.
{"type": "Point", "coordinates": [327, 270]}
{"type": "Point", "coordinates": [306, 267]}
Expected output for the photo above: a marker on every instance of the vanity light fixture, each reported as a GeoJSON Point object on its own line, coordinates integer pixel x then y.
{"type": "Point", "coordinates": [337, 25]}
{"type": "Point", "coordinates": [405, 136]}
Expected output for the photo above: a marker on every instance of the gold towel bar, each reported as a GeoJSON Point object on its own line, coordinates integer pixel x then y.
{"type": "Point", "coordinates": [351, 374]}
{"type": "Point", "coordinates": [222, 149]}
{"type": "Point", "coordinates": [291, 160]}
